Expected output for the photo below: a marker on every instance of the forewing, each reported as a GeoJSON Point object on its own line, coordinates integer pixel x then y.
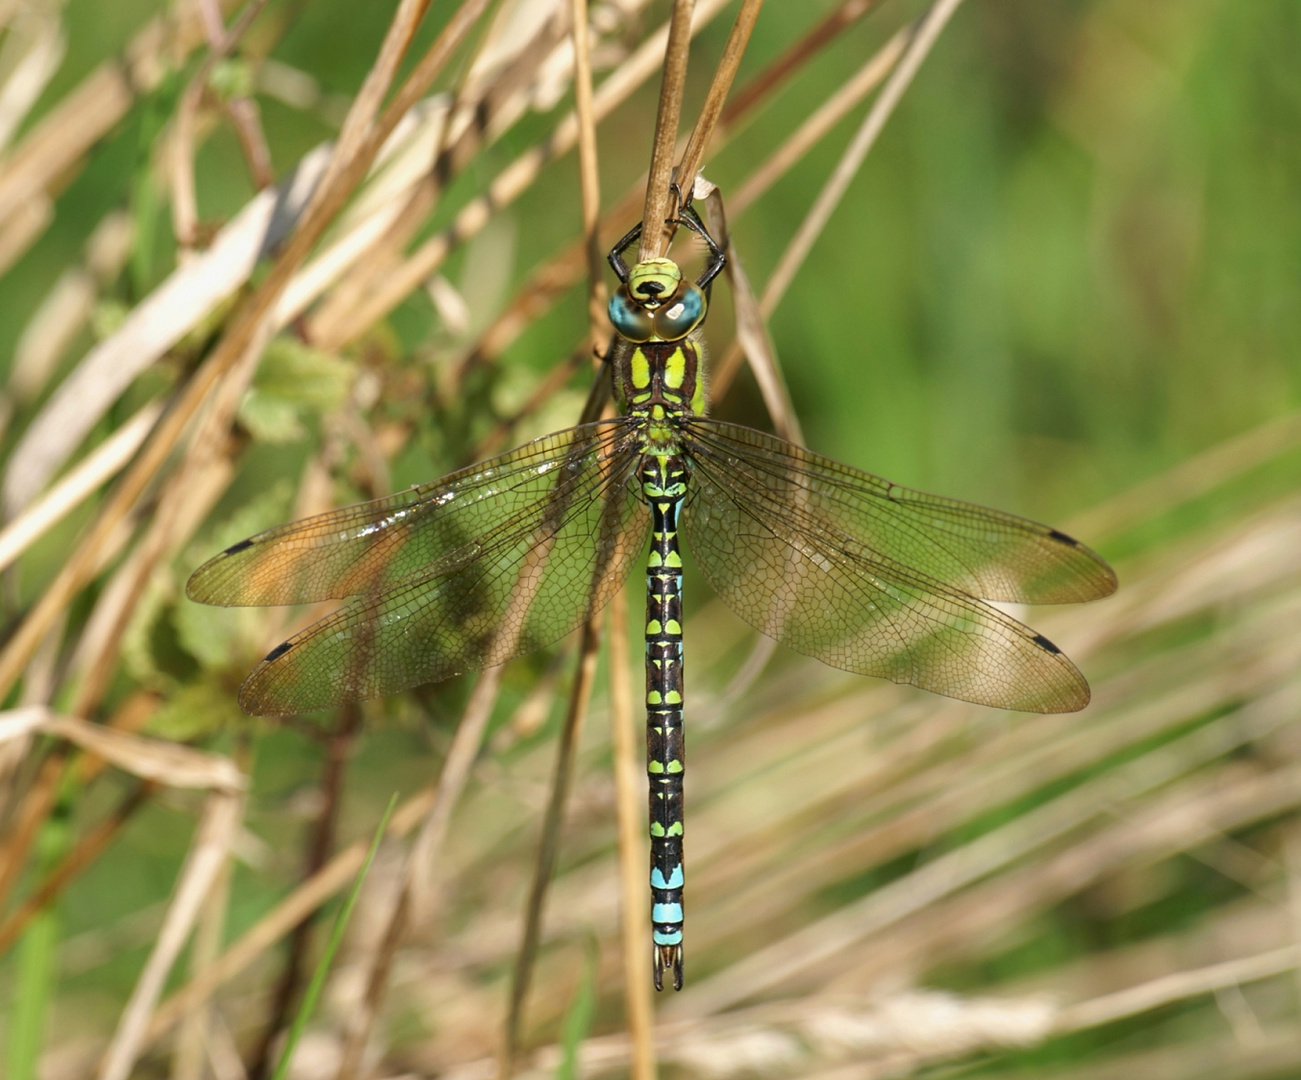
{"type": "Point", "coordinates": [531, 578]}
{"type": "Point", "coordinates": [375, 546]}
{"type": "Point", "coordinates": [787, 567]}
{"type": "Point", "coordinates": [975, 550]}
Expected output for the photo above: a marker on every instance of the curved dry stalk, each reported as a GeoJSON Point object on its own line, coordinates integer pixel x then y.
{"type": "Point", "coordinates": [185, 212]}
{"type": "Point", "coordinates": [481, 113]}
{"type": "Point", "coordinates": [928, 31]}
{"type": "Point", "coordinates": [358, 144]}
{"type": "Point", "coordinates": [719, 88]}
{"type": "Point", "coordinates": [413, 904]}
{"type": "Point", "coordinates": [655, 232]}
{"type": "Point", "coordinates": [82, 481]}
{"type": "Point", "coordinates": [589, 177]}
{"type": "Point", "coordinates": [545, 284]}
{"type": "Point", "coordinates": [212, 840]}
{"type": "Point", "coordinates": [513, 181]}
{"type": "Point", "coordinates": [633, 918]}
{"type": "Point", "coordinates": [780, 70]}
{"type": "Point", "coordinates": [566, 754]}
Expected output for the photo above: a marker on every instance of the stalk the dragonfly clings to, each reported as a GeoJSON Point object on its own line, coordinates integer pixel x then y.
{"type": "Point", "coordinates": [512, 554]}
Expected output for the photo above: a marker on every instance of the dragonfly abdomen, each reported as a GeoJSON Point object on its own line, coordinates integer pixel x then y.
{"type": "Point", "coordinates": [664, 487]}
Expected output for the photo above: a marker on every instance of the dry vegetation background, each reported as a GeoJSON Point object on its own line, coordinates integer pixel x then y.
{"type": "Point", "coordinates": [1065, 281]}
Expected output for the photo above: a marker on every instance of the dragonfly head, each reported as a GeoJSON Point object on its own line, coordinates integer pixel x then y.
{"type": "Point", "coordinates": [657, 302]}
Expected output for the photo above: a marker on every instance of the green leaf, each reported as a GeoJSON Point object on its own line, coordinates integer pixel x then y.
{"type": "Point", "coordinates": [309, 377]}
{"type": "Point", "coordinates": [197, 711]}
{"type": "Point", "coordinates": [271, 419]}
{"type": "Point", "coordinates": [293, 382]}
{"type": "Point", "coordinates": [33, 986]}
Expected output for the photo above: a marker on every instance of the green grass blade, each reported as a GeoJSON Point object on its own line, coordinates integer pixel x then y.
{"type": "Point", "coordinates": [317, 984]}
{"type": "Point", "coordinates": [33, 987]}
{"type": "Point", "coordinates": [578, 1018]}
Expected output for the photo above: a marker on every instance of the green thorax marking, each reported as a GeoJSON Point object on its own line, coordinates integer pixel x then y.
{"type": "Point", "coordinates": [657, 372]}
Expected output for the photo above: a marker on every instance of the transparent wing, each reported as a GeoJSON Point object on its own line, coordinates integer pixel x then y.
{"type": "Point", "coordinates": [375, 545]}
{"type": "Point", "coordinates": [982, 552]}
{"type": "Point", "coordinates": [789, 542]}
{"type": "Point", "coordinates": [532, 552]}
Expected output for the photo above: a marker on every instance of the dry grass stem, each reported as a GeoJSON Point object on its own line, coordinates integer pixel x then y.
{"type": "Point", "coordinates": [212, 840]}
{"type": "Point", "coordinates": [589, 176]}
{"type": "Point", "coordinates": [539, 291]}
{"type": "Point", "coordinates": [655, 232]}
{"type": "Point", "coordinates": [809, 45]}
{"type": "Point", "coordinates": [1197, 476]}
{"type": "Point", "coordinates": [359, 143]}
{"type": "Point", "coordinates": [512, 181]}
{"type": "Point", "coordinates": [919, 46]}
{"type": "Point", "coordinates": [100, 465]}
{"type": "Point", "coordinates": [822, 120]}
{"type": "Point", "coordinates": [719, 88]}
{"type": "Point", "coordinates": [149, 759]}
{"type": "Point", "coordinates": [634, 922]}
{"type": "Point", "coordinates": [549, 845]}
{"type": "Point", "coordinates": [1177, 986]}
{"type": "Point", "coordinates": [185, 214]}
{"type": "Point", "coordinates": [752, 334]}
{"type": "Point", "coordinates": [414, 902]}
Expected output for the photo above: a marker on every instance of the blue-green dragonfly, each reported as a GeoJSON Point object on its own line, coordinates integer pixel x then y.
{"type": "Point", "coordinates": [512, 554]}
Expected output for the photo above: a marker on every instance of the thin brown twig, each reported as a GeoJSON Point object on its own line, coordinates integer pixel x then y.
{"type": "Point", "coordinates": [655, 232]}
{"type": "Point", "coordinates": [549, 281]}
{"type": "Point", "coordinates": [781, 69]}
{"type": "Point", "coordinates": [458, 142]}
{"type": "Point", "coordinates": [185, 216]}
{"type": "Point", "coordinates": [866, 79]}
{"type": "Point", "coordinates": [89, 848]}
{"type": "Point", "coordinates": [566, 754]}
{"type": "Point", "coordinates": [629, 800]}
{"type": "Point", "coordinates": [340, 178]}
{"type": "Point", "coordinates": [589, 176]}
{"type": "Point", "coordinates": [509, 184]}
{"type": "Point", "coordinates": [928, 31]}
{"type": "Point", "coordinates": [320, 842]}
{"type": "Point", "coordinates": [413, 904]}
{"type": "Point", "coordinates": [298, 905]}
{"type": "Point", "coordinates": [719, 88]}
{"type": "Point", "coordinates": [359, 143]}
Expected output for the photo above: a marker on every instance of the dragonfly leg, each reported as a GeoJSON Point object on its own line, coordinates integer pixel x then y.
{"type": "Point", "coordinates": [615, 257]}
{"type": "Point", "coordinates": [717, 258]}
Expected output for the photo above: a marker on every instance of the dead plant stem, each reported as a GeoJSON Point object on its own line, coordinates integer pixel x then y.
{"type": "Point", "coordinates": [552, 826]}
{"type": "Point", "coordinates": [630, 800]}
{"type": "Point", "coordinates": [719, 88]}
{"type": "Point", "coordinates": [655, 234]}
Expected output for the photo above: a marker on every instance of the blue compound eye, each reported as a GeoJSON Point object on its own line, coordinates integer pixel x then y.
{"type": "Point", "coordinates": [679, 317]}
{"type": "Point", "coordinates": [630, 319]}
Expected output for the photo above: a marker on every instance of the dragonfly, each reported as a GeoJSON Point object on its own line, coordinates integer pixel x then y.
{"type": "Point", "coordinates": [512, 554]}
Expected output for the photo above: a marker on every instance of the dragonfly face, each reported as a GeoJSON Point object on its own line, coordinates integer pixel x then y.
{"type": "Point", "coordinates": [512, 554]}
